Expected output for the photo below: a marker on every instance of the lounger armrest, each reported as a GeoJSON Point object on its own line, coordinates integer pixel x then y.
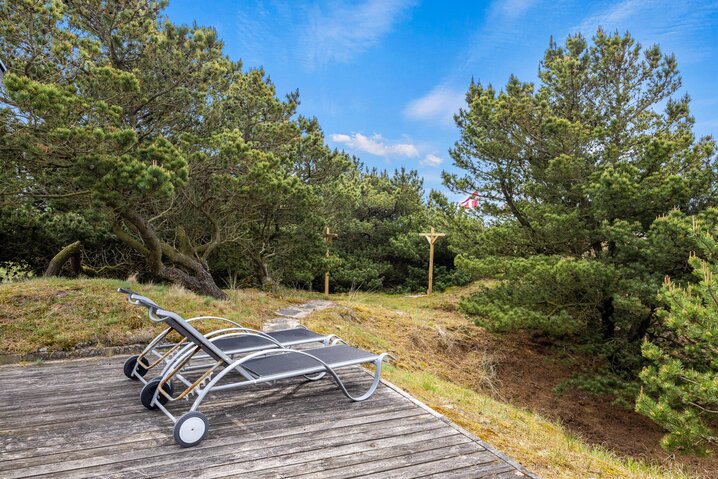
{"type": "Point", "coordinates": [126, 291]}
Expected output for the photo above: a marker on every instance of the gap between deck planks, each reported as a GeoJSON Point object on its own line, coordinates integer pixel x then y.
{"type": "Point", "coordinates": [82, 418]}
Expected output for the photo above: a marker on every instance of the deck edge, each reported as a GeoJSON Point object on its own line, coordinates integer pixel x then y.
{"type": "Point", "coordinates": [470, 435]}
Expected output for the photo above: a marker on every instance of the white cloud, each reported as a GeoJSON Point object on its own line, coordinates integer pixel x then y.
{"type": "Point", "coordinates": [679, 27]}
{"type": "Point", "coordinates": [511, 8]}
{"type": "Point", "coordinates": [340, 31]}
{"type": "Point", "coordinates": [375, 145]}
{"type": "Point", "coordinates": [431, 160]}
{"type": "Point", "coordinates": [616, 14]}
{"type": "Point", "coordinates": [440, 104]}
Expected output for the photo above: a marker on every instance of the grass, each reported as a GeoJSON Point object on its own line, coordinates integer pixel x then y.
{"type": "Point", "coordinates": [442, 357]}
{"type": "Point", "coordinates": [59, 315]}
{"type": "Point", "coordinates": [443, 361]}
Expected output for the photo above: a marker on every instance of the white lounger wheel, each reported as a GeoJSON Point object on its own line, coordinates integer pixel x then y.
{"type": "Point", "coordinates": [190, 429]}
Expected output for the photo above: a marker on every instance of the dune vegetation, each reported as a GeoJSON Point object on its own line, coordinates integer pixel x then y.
{"type": "Point", "coordinates": [442, 359]}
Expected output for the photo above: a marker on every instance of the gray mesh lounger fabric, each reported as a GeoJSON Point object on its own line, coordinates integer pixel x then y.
{"type": "Point", "coordinates": [288, 337]}
{"type": "Point", "coordinates": [333, 356]}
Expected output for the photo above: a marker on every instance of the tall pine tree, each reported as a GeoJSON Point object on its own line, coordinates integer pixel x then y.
{"type": "Point", "coordinates": [586, 180]}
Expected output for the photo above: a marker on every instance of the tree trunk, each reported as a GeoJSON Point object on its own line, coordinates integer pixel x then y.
{"type": "Point", "coordinates": [200, 282]}
{"type": "Point", "coordinates": [641, 328]}
{"type": "Point", "coordinates": [69, 252]}
{"type": "Point", "coordinates": [188, 271]}
{"type": "Point", "coordinates": [608, 325]}
{"type": "Point", "coordinates": [265, 279]}
{"type": "Point", "coordinates": [76, 264]}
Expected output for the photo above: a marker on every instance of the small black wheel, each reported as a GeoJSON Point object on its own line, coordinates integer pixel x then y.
{"type": "Point", "coordinates": [148, 392]}
{"type": "Point", "coordinates": [190, 429]}
{"type": "Point", "coordinates": [129, 367]}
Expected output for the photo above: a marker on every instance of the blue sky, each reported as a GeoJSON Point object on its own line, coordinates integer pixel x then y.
{"type": "Point", "coordinates": [385, 76]}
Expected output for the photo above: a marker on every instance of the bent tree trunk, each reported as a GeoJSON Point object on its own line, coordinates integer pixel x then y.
{"type": "Point", "coordinates": [69, 252]}
{"type": "Point", "coordinates": [199, 281]}
{"type": "Point", "coordinates": [183, 269]}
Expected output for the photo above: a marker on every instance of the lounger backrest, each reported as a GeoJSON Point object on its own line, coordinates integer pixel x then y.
{"type": "Point", "coordinates": [176, 322]}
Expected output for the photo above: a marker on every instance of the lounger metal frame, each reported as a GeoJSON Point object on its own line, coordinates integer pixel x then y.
{"type": "Point", "coordinates": [165, 352]}
{"type": "Point", "coordinates": [192, 423]}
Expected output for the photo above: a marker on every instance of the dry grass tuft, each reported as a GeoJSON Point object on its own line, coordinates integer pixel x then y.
{"type": "Point", "coordinates": [443, 348]}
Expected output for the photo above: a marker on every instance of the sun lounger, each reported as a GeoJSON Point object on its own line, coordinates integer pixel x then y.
{"type": "Point", "coordinates": [260, 367]}
{"type": "Point", "coordinates": [233, 340]}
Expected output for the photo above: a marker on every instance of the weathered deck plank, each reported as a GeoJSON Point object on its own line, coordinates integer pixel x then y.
{"type": "Point", "coordinates": [82, 418]}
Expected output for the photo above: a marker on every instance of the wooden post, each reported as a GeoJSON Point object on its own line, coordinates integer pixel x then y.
{"type": "Point", "coordinates": [328, 237]}
{"type": "Point", "coordinates": [431, 238]}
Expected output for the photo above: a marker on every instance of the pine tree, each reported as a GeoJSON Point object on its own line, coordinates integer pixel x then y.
{"type": "Point", "coordinates": [587, 179]}
{"type": "Point", "coordinates": [97, 97]}
{"type": "Point", "coordinates": [680, 384]}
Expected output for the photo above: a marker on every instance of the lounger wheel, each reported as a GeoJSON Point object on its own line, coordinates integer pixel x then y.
{"type": "Point", "coordinates": [129, 367]}
{"type": "Point", "coordinates": [148, 392]}
{"type": "Point", "coordinates": [190, 429]}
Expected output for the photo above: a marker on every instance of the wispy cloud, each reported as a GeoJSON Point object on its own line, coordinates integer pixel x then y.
{"type": "Point", "coordinates": [502, 25]}
{"type": "Point", "coordinates": [322, 32]}
{"type": "Point", "coordinates": [375, 145]}
{"type": "Point", "coordinates": [511, 8]}
{"type": "Point", "coordinates": [438, 105]}
{"type": "Point", "coordinates": [257, 33]}
{"type": "Point", "coordinates": [431, 160]}
{"type": "Point", "coordinates": [657, 21]}
{"type": "Point", "coordinates": [338, 32]}
{"type": "Point", "coordinates": [615, 14]}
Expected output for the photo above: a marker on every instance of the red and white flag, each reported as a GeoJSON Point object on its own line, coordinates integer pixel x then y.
{"type": "Point", "coordinates": [471, 202]}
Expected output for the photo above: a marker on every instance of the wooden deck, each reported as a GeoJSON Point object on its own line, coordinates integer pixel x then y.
{"type": "Point", "coordinates": [82, 418]}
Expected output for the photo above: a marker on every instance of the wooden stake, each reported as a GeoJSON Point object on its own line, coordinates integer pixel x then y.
{"type": "Point", "coordinates": [328, 237]}
{"type": "Point", "coordinates": [431, 238]}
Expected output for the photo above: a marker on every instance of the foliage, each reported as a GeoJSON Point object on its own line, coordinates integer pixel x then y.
{"type": "Point", "coordinates": [132, 134]}
{"type": "Point", "coordinates": [588, 188]}
{"type": "Point", "coordinates": [464, 227]}
{"type": "Point", "coordinates": [13, 272]}
{"type": "Point", "coordinates": [378, 217]}
{"type": "Point", "coordinates": [97, 96]}
{"type": "Point", "coordinates": [680, 383]}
